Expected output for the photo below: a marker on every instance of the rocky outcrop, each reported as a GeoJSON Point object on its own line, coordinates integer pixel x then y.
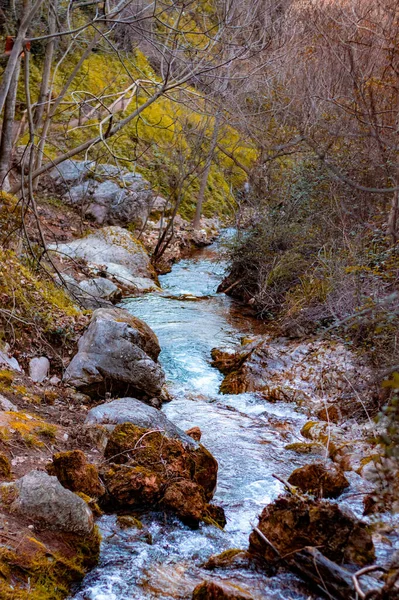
{"type": "Point", "coordinates": [75, 473]}
{"type": "Point", "coordinates": [144, 467]}
{"type": "Point", "coordinates": [130, 410]}
{"type": "Point", "coordinates": [220, 590]}
{"type": "Point", "coordinates": [291, 523]}
{"type": "Point", "coordinates": [118, 354]}
{"type": "Point", "coordinates": [105, 193]}
{"type": "Point", "coordinates": [115, 252]}
{"type": "Point", "coordinates": [42, 499]}
{"type": "Point", "coordinates": [320, 479]}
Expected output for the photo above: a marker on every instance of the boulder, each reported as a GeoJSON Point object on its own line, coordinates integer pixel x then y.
{"type": "Point", "coordinates": [116, 354]}
{"type": "Point", "coordinates": [42, 499]}
{"type": "Point", "coordinates": [320, 479]}
{"type": "Point", "coordinates": [39, 368]}
{"type": "Point", "coordinates": [110, 245]}
{"type": "Point", "coordinates": [113, 197]}
{"type": "Point", "coordinates": [71, 171]}
{"type": "Point", "coordinates": [75, 473]}
{"type": "Point", "coordinates": [195, 433]}
{"type": "Point", "coordinates": [145, 468]}
{"type": "Point", "coordinates": [135, 285]}
{"type": "Point", "coordinates": [290, 523]}
{"type": "Point", "coordinates": [9, 362]}
{"type": "Point", "coordinates": [130, 410]}
{"type": "Point", "coordinates": [220, 590]}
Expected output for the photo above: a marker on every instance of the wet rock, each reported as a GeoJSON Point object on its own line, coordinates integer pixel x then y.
{"type": "Point", "coordinates": [127, 522]}
{"type": "Point", "coordinates": [195, 433]}
{"type": "Point", "coordinates": [290, 523]}
{"type": "Point", "coordinates": [215, 515]}
{"type": "Point", "coordinates": [130, 410]}
{"type": "Point", "coordinates": [320, 479]}
{"type": "Point", "coordinates": [135, 285]}
{"type": "Point", "coordinates": [5, 466]}
{"type": "Point", "coordinates": [39, 369]}
{"type": "Point", "coordinates": [225, 360]}
{"type": "Point", "coordinates": [235, 557]}
{"type": "Point", "coordinates": [330, 413]}
{"type": "Point", "coordinates": [42, 499]}
{"type": "Point", "coordinates": [116, 354]}
{"type": "Point", "coordinates": [108, 247]}
{"type": "Point", "coordinates": [76, 474]}
{"type": "Point", "coordinates": [142, 464]}
{"type": "Point", "coordinates": [306, 448]}
{"type": "Point", "coordinates": [220, 590]}
{"type": "Point", "coordinates": [185, 498]}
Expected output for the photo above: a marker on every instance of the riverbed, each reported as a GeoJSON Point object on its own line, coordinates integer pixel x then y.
{"type": "Point", "coordinates": [245, 433]}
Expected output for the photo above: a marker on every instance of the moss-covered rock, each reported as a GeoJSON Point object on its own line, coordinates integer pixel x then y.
{"type": "Point", "coordinates": [290, 523]}
{"type": "Point", "coordinates": [146, 468]}
{"type": "Point", "coordinates": [320, 479]}
{"type": "Point", "coordinates": [220, 590]}
{"type": "Point", "coordinates": [76, 474]}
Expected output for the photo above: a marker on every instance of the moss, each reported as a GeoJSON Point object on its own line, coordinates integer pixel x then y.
{"type": "Point", "coordinates": [5, 466]}
{"type": "Point", "coordinates": [306, 430]}
{"type": "Point", "coordinates": [127, 521]}
{"type": "Point", "coordinates": [33, 571]}
{"type": "Point", "coordinates": [6, 377]}
{"type": "Point", "coordinates": [305, 448]}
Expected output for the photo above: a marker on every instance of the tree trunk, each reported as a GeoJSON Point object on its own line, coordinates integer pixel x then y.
{"type": "Point", "coordinates": [207, 168]}
{"type": "Point", "coordinates": [48, 59]}
{"type": "Point", "coordinates": [7, 130]}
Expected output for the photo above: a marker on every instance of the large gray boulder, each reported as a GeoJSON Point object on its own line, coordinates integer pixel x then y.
{"type": "Point", "coordinates": [71, 171]}
{"type": "Point", "coordinates": [131, 410]}
{"type": "Point", "coordinates": [42, 499]}
{"type": "Point", "coordinates": [107, 194]}
{"type": "Point", "coordinates": [110, 245]}
{"type": "Point", "coordinates": [118, 354]}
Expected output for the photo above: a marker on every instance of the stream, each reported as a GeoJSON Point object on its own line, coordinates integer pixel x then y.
{"type": "Point", "coordinates": [246, 434]}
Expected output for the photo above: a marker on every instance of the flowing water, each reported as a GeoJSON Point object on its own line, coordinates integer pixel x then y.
{"type": "Point", "coordinates": [246, 434]}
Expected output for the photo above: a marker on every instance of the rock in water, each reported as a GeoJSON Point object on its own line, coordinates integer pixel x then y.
{"type": "Point", "coordinates": [39, 369]}
{"type": "Point", "coordinates": [290, 523]}
{"type": "Point", "coordinates": [320, 479]}
{"type": "Point", "coordinates": [116, 354]}
{"type": "Point", "coordinates": [195, 433]}
{"type": "Point", "coordinates": [145, 468]}
{"type": "Point", "coordinates": [42, 499]}
{"type": "Point", "coordinates": [130, 410]}
{"type": "Point", "coordinates": [220, 590]}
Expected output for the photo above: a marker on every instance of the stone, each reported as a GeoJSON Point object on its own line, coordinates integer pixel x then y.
{"type": "Point", "coordinates": [186, 499]}
{"type": "Point", "coordinates": [195, 433]}
{"type": "Point", "coordinates": [329, 413]}
{"type": "Point", "coordinates": [42, 499]}
{"type": "Point", "coordinates": [6, 404]}
{"type": "Point", "coordinates": [75, 473]}
{"type": "Point", "coordinates": [290, 523]}
{"type": "Point", "coordinates": [71, 171]}
{"type": "Point", "coordinates": [320, 479]}
{"type": "Point", "coordinates": [39, 368]}
{"type": "Point", "coordinates": [100, 287]}
{"type": "Point", "coordinates": [9, 362]}
{"type": "Point", "coordinates": [131, 410]}
{"type": "Point", "coordinates": [109, 245]}
{"type": "Point", "coordinates": [54, 380]}
{"type": "Point", "coordinates": [142, 464]}
{"type": "Point", "coordinates": [135, 285]}
{"type": "Point", "coordinates": [220, 590]}
{"type": "Point", "coordinates": [235, 557]}
{"type": "Point", "coordinates": [116, 354]}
